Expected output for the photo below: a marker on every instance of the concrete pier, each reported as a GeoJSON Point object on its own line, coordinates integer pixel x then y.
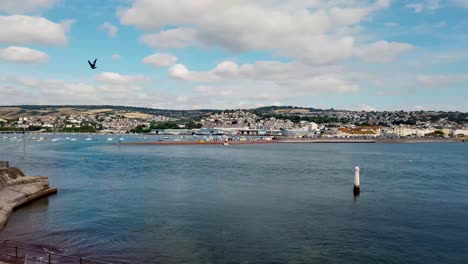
{"type": "Point", "coordinates": [357, 188]}
{"type": "Point", "coordinates": [16, 190]}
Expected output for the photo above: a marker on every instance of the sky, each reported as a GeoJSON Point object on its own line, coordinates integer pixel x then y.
{"type": "Point", "coordinates": [184, 54]}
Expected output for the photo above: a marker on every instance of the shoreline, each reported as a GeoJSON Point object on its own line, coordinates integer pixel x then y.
{"type": "Point", "coordinates": [293, 141]}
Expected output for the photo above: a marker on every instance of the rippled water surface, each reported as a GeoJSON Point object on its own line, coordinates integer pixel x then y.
{"type": "Point", "coordinates": [288, 203]}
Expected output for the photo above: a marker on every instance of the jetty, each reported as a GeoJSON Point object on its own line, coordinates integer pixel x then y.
{"type": "Point", "coordinates": [17, 189]}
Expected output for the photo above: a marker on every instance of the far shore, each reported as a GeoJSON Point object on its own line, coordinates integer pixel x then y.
{"type": "Point", "coordinates": [295, 141]}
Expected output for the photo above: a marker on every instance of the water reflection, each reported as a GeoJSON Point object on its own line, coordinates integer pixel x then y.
{"type": "Point", "coordinates": [356, 200]}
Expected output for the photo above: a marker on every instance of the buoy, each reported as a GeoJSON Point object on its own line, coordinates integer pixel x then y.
{"type": "Point", "coordinates": [357, 188]}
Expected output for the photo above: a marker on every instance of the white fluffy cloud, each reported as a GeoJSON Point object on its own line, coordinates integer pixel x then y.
{"type": "Point", "coordinates": [209, 90]}
{"type": "Point", "coordinates": [382, 51]}
{"type": "Point", "coordinates": [110, 29]}
{"type": "Point", "coordinates": [252, 93]}
{"type": "Point", "coordinates": [365, 107]}
{"type": "Point", "coordinates": [116, 78]}
{"type": "Point", "coordinates": [172, 38]}
{"type": "Point", "coordinates": [44, 91]}
{"type": "Point", "coordinates": [20, 29]}
{"type": "Point", "coordinates": [181, 72]}
{"type": "Point", "coordinates": [282, 78]}
{"type": "Point", "coordinates": [23, 55]}
{"type": "Point", "coordinates": [19, 6]}
{"type": "Point", "coordinates": [307, 30]}
{"type": "Point", "coordinates": [316, 36]}
{"type": "Point", "coordinates": [21, 90]}
{"type": "Point", "coordinates": [160, 60]}
{"type": "Point", "coordinates": [438, 81]}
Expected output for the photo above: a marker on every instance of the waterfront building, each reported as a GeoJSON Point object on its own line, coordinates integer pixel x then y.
{"type": "Point", "coordinates": [254, 132]}
{"type": "Point", "coordinates": [295, 132]}
{"type": "Point", "coordinates": [360, 131]}
{"type": "Point", "coordinates": [460, 132]}
{"type": "Point", "coordinates": [446, 130]}
{"type": "Point", "coordinates": [313, 126]}
{"type": "Point", "coordinates": [206, 131]}
{"type": "Point", "coordinates": [177, 131]}
{"type": "Point", "coordinates": [421, 132]}
{"type": "Point", "coordinates": [404, 130]}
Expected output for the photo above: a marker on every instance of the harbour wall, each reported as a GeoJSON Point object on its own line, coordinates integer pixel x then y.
{"type": "Point", "coordinates": [17, 189]}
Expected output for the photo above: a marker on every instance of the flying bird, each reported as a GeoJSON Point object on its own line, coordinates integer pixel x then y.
{"type": "Point", "coordinates": [92, 65]}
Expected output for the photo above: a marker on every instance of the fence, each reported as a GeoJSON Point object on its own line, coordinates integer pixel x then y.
{"type": "Point", "coordinates": [16, 254]}
{"type": "Point", "coordinates": [4, 164]}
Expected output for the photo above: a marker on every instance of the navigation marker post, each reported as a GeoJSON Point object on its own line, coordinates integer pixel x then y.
{"type": "Point", "coordinates": [357, 188]}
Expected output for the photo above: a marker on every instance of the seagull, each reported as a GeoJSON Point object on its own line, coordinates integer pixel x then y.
{"type": "Point", "coordinates": [93, 65]}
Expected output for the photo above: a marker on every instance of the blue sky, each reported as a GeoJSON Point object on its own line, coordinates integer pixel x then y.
{"type": "Point", "coordinates": [179, 54]}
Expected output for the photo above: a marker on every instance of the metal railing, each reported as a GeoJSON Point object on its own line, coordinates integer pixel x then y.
{"type": "Point", "coordinates": [4, 164]}
{"type": "Point", "coordinates": [17, 254]}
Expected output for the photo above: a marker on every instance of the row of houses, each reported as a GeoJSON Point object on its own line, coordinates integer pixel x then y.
{"type": "Point", "coordinates": [404, 131]}
{"type": "Point", "coordinates": [400, 131]}
{"type": "Point", "coordinates": [357, 131]}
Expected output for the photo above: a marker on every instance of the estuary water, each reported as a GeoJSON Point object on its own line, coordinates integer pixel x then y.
{"type": "Point", "coordinates": [282, 203]}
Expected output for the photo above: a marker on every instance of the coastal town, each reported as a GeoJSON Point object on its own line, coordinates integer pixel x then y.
{"type": "Point", "coordinates": [291, 122]}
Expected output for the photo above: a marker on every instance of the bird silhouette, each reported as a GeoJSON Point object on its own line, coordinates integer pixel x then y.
{"type": "Point", "coordinates": [92, 65]}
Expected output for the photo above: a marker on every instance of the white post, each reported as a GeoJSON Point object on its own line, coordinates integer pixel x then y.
{"type": "Point", "coordinates": [357, 188]}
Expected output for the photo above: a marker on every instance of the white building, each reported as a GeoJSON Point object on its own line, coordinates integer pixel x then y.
{"type": "Point", "coordinates": [313, 126]}
{"type": "Point", "coordinates": [461, 131]}
{"type": "Point", "coordinates": [74, 121]}
{"type": "Point", "coordinates": [403, 131]}
{"type": "Point", "coordinates": [423, 131]}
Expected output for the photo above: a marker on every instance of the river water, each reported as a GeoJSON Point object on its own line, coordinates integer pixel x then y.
{"type": "Point", "coordinates": [285, 203]}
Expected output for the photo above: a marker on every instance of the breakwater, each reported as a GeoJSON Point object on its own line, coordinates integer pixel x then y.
{"type": "Point", "coordinates": [17, 189]}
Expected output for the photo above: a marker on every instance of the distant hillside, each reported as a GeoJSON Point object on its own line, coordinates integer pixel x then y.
{"type": "Point", "coordinates": [293, 113]}
{"type": "Point", "coordinates": [285, 109]}
{"type": "Point", "coordinates": [15, 111]}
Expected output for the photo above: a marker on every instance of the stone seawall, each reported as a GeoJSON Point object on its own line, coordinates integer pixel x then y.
{"type": "Point", "coordinates": [16, 189]}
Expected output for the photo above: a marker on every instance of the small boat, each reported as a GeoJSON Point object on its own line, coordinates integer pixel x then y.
{"type": "Point", "coordinates": [110, 139]}
{"type": "Point", "coordinates": [226, 144]}
{"type": "Point", "coordinates": [73, 139]}
{"type": "Point", "coordinates": [88, 139]}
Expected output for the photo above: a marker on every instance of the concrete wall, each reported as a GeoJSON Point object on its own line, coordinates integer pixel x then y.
{"type": "Point", "coordinates": [16, 189]}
